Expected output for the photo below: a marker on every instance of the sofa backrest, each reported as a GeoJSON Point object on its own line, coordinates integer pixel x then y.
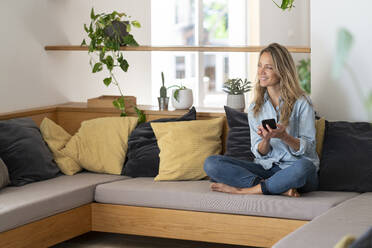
{"type": "Point", "coordinates": [37, 114]}
{"type": "Point", "coordinates": [70, 115]}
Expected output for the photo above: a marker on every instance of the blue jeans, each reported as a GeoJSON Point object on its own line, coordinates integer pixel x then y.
{"type": "Point", "coordinates": [302, 175]}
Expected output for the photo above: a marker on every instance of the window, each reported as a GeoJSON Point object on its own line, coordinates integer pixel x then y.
{"type": "Point", "coordinates": [218, 23]}
{"type": "Point", "coordinates": [180, 67]}
{"type": "Point", "coordinates": [198, 23]}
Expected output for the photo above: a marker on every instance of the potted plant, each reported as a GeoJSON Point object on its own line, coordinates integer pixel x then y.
{"type": "Point", "coordinates": [182, 97]}
{"type": "Point", "coordinates": [235, 88]}
{"type": "Point", "coordinates": [107, 32]}
{"type": "Point", "coordinates": [163, 99]}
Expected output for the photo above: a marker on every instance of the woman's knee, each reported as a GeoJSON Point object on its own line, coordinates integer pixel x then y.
{"type": "Point", "coordinates": [211, 164]}
{"type": "Point", "coordinates": [305, 167]}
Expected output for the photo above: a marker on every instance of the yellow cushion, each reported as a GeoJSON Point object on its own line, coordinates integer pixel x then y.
{"type": "Point", "coordinates": [184, 146]}
{"type": "Point", "coordinates": [101, 144]}
{"type": "Point", "coordinates": [56, 138]}
{"type": "Point", "coordinates": [345, 242]}
{"type": "Point", "coordinates": [320, 128]}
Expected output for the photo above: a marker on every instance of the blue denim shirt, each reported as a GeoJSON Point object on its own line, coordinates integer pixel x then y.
{"type": "Point", "coordinates": [301, 126]}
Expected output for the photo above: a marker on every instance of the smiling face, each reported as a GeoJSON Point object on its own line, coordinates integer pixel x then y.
{"type": "Point", "coordinates": [265, 72]}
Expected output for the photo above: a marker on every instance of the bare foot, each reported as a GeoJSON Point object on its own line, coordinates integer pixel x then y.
{"type": "Point", "coordinates": [292, 193]}
{"type": "Point", "coordinates": [221, 187]}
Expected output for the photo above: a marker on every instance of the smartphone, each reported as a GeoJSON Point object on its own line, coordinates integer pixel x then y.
{"type": "Point", "coordinates": [270, 122]}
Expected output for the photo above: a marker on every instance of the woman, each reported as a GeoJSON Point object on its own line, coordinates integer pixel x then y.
{"type": "Point", "coordinates": [286, 161]}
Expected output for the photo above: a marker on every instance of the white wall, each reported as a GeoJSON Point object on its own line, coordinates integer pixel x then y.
{"type": "Point", "coordinates": [32, 77]}
{"type": "Point", "coordinates": [338, 100]}
{"type": "Point", "coordinates": [271, 24]}
{"type": "Point", "coordinates": [289, 27]}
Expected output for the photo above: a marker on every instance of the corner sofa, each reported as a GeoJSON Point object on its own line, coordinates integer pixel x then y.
{"type": "Point", "coordinates": [48, 212]}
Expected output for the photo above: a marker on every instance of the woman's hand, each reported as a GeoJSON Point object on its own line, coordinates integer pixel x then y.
{"type": "Point", "coordinates": [263, 133]}
{"type": "Point", "coordinates": [279, 132]}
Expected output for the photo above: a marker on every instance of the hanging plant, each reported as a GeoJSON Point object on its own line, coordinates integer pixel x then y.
{"type": "Point", "coordinates": [107, 32]}
{"type": "Point", "coordinates": [286, 4]}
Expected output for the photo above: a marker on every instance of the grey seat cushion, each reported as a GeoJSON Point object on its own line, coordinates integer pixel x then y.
{"type": "Point", "coordinates": [352, 217]}
{"type": "Point", "coordinates": [196, 195]}
{"type": "Point", "coordinates": [34, 201]}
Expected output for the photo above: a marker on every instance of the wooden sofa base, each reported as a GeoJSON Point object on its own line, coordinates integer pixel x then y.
{"type": "Point", "coordinates": [49, 231]}
{"type": "Point", "coordinates": [154, 222]}
{"type": "Point", "coordinates": [191, 225]}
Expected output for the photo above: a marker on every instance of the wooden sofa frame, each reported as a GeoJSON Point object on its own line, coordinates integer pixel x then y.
{"type": "Point", "coordinates": [146, 221]}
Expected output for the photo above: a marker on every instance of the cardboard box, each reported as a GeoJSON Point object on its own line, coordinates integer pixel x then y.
{"type": "Point", "coordinates": [105, 101]}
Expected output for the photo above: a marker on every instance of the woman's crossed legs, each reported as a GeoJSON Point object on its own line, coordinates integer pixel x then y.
{"type": "Point", "coordinates": [245, 177]}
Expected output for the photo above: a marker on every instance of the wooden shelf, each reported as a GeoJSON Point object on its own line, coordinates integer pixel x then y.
{"type": "Point", "coordinates": [293, 49]}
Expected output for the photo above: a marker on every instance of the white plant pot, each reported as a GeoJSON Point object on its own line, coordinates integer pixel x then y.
{"type": "Point", "coordinates": [185, 99]}
{"type": "Point", "coordinates": [236, 102]}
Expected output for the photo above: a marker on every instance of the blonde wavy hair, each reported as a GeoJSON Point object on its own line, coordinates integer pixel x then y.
{"type": "Point", "coordinates": [290, 89]}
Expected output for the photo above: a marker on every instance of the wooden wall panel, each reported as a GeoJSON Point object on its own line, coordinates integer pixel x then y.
{"type": "Point", "coordinates": [71, 121]}
{"type": "Point", "coordinates": [37, 114]}
{"type": "Point", "coordinates": [70, 116]}
{"type": "Point", "coordinates": [39, 118]}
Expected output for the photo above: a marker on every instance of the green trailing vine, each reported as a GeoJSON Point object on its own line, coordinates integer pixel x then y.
{"type": "Point", "coordinates": [107, 32]}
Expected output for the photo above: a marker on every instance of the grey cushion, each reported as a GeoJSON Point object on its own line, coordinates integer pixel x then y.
{"type": "Point", "coordinates": [352, 217]}
{"type": "Point", "coordinates": [4, 175]}
{"type": "Point", "coordinates": [31, 202]}
{"type": "Point", "coordinates": [196, 195]}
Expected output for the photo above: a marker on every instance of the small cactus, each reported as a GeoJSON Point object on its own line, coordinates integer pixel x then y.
{"type": "Point", "coordinates": [163, 89]}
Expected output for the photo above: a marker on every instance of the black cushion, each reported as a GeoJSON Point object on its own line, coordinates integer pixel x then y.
{"type": "Point", "coordinates": [25, 153]}
{"type": "Point", "coordinates": [346, 163]}
{"type": "Point", "coordinates": [143, 151]}
{"type": "Point", "coordinates": [238, 144]}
